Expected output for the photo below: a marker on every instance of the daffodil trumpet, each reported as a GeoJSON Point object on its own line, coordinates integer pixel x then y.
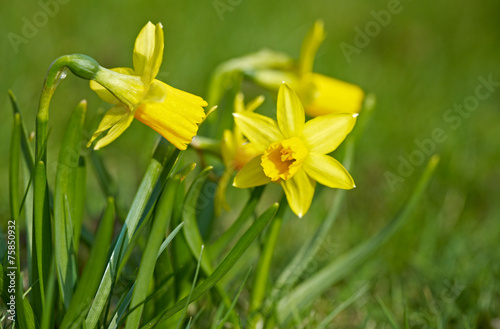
{"type": "Point", "coordinates": [293, 152]}
{"type": "Point", "coordinates": [135, 93]}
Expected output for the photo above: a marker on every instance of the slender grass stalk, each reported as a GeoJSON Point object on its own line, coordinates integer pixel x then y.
{"type": "Point", "coordinates": [65, 204]}
{"type": "Point", "coordinates": [161, 221]}
{"type": "Point", "coordinates": [162, 161]}
{"type": "Point", "coordinates": [310, 289]}
{"type": "Point", "coordinates": [216, 248]}
{"type": "Point", "coordinates": [261, 282]}
{"type": "Point", "coordinates": [228, 262]}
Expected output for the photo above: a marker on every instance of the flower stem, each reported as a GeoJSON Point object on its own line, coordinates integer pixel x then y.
{"type": "Point", "coordinates": [82, 66]}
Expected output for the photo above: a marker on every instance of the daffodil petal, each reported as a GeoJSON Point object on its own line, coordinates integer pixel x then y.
{"type": "Point", "coordinates": [324, 134]}
{"type": "Point", "coordinates": [260, 130]}
{"type": "Point", "coordinates": [173, 117]}
{"type": "Point", "coordinates": [255, 103]}
{"type": "Point", "coordinates": [116, 130]}
{"type": "Point", "coordinates": [109, 119]}
{"type": "Point", "coordinates": [220, 193]}
{"type": "Point", "coordinates": [251, 175]}
{"type": "Point", "coordinates": [148, 52]}
{"type": "Point", "coordinates": [290, 114]}
{"type": "Point", "coordinates": [105, 94]}
{"type": "Point", "coordinates": [228, 148]}
{"type": "Point", "coordinates": [299, 192]}
{"type": "Point", "coordinates": [328, 171]}
{"type": "Point", "coordinates": [324, 95]}
{"type": "Point", "coordinates": [310, 46]}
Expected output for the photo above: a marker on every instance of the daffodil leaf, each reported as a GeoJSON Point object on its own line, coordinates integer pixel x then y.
{"type": "Point", "coordinates": [164, 159]}
{"type": "Point", "coordinates": [228, 262]}
{"type": "Point", "coordinates": [161, 220]}
{"type": "Point", "coordinates": [310, 289]}
{"type": "Point", "coordinates": [64, 203]}
{"type": "Point", "coordinates": [42, 227]}
{"type": "Point", "coordinates": [92, 273]}
{"type": "Point", "coordinates": [24, 316]}
{"type": "Point", "coordinates": [224, 240]}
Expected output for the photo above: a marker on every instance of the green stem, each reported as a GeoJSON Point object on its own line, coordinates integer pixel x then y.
{"type": "Point", "coordinates": [82, 66]}
{"type": "Point", "coordinates": [215, 249]}
{"type": "Point", "coordinates": [260, 286]}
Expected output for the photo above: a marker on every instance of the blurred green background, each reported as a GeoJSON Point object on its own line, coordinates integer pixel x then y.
{"type": "Point", "coordinates": [427, 59]}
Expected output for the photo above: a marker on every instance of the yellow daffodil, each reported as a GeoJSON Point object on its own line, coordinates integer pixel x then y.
{"type": "Point", "coordinates": [236, 151]}
{"type": "Point", "coordinates": [320, 94]}
{"type": "Point", "coordinates": [173, 113]}
{"type": "Point", "coordinates": [292, 152]}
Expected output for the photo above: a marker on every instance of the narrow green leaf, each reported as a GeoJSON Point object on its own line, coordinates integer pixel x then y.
{"type": "Point", "coordinates": [232, 257]}
{"type": "Point", "coordinates": [24, 313]}
{"type": "Point", "coordinates": [120, 313]}
{"type": "Point", "coordinates": [106, 182]}
{"type": "Point", "coordinates": [222, 322]}
{"type": "Point", "coordinates": [329, 318]}
{"type": "Point", "coordinates": [25, 145]}
{"type": "Point", "coordinates": [50, 297]}
{"type": "Point", "coordinates": [42, 227]}
{"type": "Point", "coordinates": [387, 313]}
{"type": "Point", "coordinates": [79, 201]}
{"type": "Point", "coordinates": [191, 231]}
{"type": "Point", "coordinates": [261, 281]}
{"type": "Point", "coordinates": [314, 286]}
{"type": "Point", "coordinates": [188, 300]}
{"type": "Point", "coordinates": [158, 167]}
{"type": "Point", "coordinates": [64, 203]}
{"type": "Point", "coordinates": [91, 275]}
{"type": "Point", "coordinates": [161, 221]}
{"type": "Point", "coordinates": [215, 249]}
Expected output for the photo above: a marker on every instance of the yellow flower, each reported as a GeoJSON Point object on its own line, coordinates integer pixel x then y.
{"type": "Point", "coordinates": [320, 94]}
{"type": "Point", "coordinates": [236, 151]}
{"type": "Point", "coordinates": [293, 152]}
{"type": "Point", "coordinates": [173, 113]}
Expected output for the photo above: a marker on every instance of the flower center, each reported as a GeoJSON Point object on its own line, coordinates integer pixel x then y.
{"type": "Point", "coordinates": [283, 159]}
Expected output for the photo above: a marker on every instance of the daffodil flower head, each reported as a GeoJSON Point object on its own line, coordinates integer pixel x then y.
{"type": "Point", "coordinates": [236, 150]}
{"type": "Point", "coordinates": [293, 152]}
{"type": "Point", "coordinates": [173, 113]}
{"type": "Point", "coordinates": [320, 94]}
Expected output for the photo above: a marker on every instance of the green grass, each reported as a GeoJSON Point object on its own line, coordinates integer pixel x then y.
{"type": "Point", "coordinates": [439, 270]}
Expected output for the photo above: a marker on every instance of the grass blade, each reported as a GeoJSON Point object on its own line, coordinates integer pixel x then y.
{"type": "Point", "coordinates": [222, 322]}
{"type": "Point", "coordinates": [228, 262]}
{"type": "Point", "coordinates": [215, 249]}
{"type": "Point", "coordinates": [313, 287]}
{"type": "Point", "coordinates": [120, 313]}
{"type": "Point", "coordinates": [42, 228]}
{"type": "Point", "coordinates": [26, 148]}
{"type": "Point", "coordinates": [91, 275]}
{"type": "Point", "coordinates": [387, 313]}
{"type": "Point", "coordinates": [328, 319]}
{"type": "Point", "coordinates": [161, 221]}
{"type": "Point", "coordinates": [191, 231]}
{"type": "Point", "coordinates": [48, 316]}
{"type": "Point", "coordinates": [188, 300]}
{"type": "Point", "coordinates": [24, 316]}
{"type": "Point", "coordinates": [261, 281]}
{"type": "Point", "coordinates": [64, 201]}
{"type": "Point", "coordinates": [79, 201]}
{"type": "Point", "coordinates": [157, 166]}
